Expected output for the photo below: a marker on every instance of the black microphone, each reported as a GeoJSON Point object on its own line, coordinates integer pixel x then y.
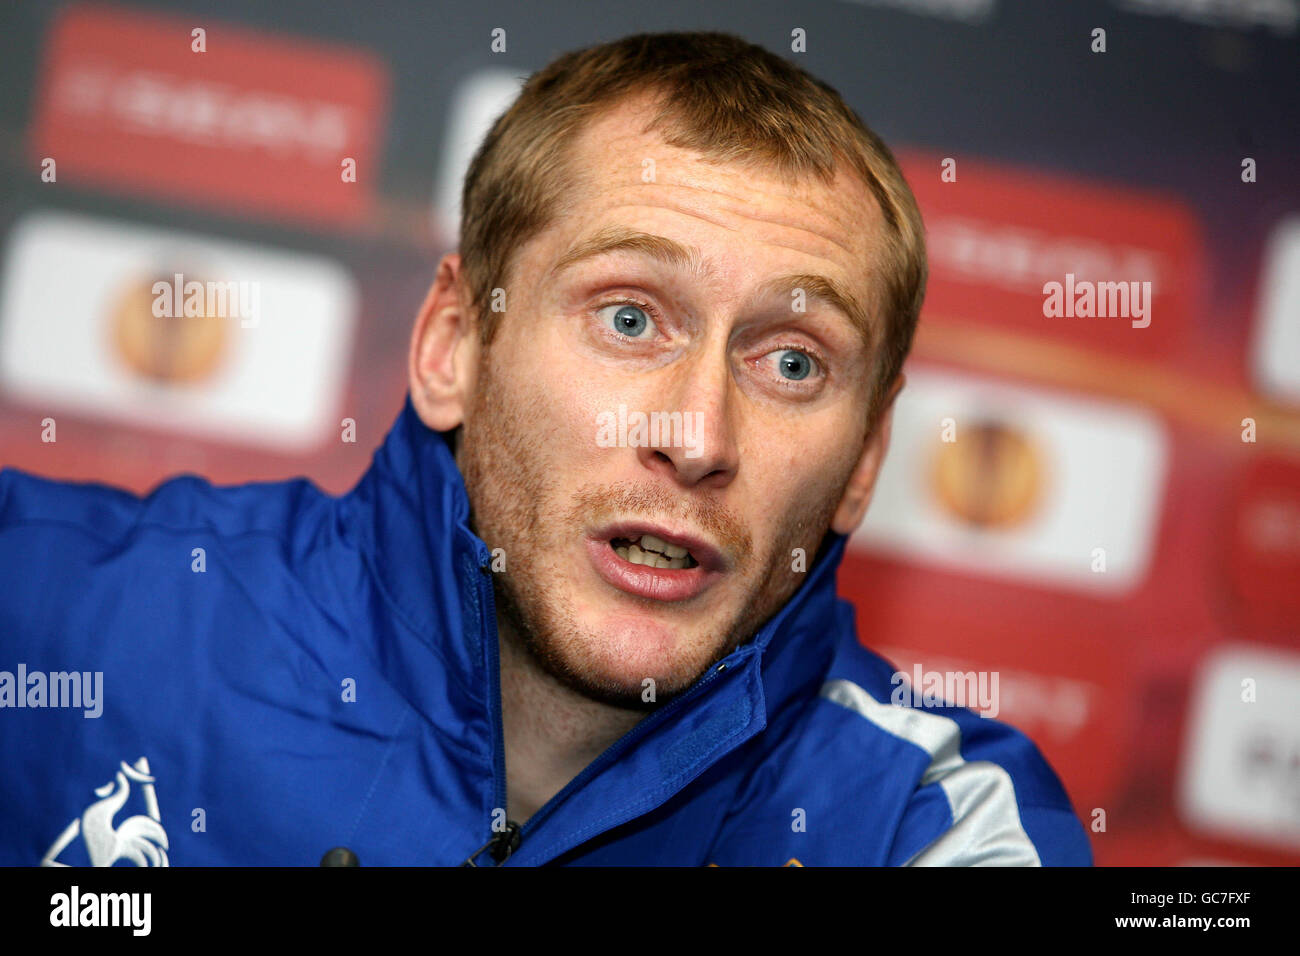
{"type": "Point", "coordinates": [340, 856]}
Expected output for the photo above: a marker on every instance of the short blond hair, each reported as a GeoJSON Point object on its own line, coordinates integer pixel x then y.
{"type": "Point", "coordinates": [717, 94]}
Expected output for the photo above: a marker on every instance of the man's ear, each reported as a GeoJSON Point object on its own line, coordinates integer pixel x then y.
{"type": "Point", "coordinates": [857, 494]}
{"type": "Point", "coordinates": [443, 360]}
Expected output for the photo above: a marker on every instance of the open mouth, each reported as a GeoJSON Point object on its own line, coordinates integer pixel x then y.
{"type": "Point", "coordinates": [653, 552]}
{"type": "Point", "coordinates": [650, 561]}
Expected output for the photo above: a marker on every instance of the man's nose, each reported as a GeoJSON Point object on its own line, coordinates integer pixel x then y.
{"type": "Point", "coordinates": [696, 441]}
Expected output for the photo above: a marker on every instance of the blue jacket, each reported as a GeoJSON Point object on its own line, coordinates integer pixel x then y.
{"type": "Point", "coordinates": [284, 672]}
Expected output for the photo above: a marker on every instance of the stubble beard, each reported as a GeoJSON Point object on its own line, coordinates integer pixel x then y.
{"type": "Point", "coordinates": [509, 487]}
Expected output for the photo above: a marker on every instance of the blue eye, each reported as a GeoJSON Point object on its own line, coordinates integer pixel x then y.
{"type": "Point", "coordinates": [631, 320]}
{"type": "Point", "coordinates": [795, 365]}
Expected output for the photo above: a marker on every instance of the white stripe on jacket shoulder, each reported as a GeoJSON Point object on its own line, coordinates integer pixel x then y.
{"type": "Point", "coordinates": [986, 827]}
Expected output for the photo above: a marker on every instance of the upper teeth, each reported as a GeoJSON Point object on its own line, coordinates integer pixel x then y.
{"type": "Point", "coordinates": [649, 541]}
{"type": "Point", "coordinates": [655, 552]}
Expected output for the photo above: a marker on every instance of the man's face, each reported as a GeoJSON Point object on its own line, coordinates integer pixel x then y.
{"type": "Point", "coordinates": [771, 406]}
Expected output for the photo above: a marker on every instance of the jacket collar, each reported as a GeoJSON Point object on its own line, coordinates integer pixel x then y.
{"type": "Point", "coordinates": [410, 515]}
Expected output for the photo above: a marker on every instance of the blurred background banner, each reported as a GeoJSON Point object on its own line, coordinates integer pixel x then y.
{"type": "Point", "coordinates": [1098, 502]}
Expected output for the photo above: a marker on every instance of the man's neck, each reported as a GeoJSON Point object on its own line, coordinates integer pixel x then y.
{"type": "Point", "coordinates": [551, 731]}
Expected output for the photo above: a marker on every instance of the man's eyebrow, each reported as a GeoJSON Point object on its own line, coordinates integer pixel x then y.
{"type": "Point", "coordinates": [827, 290]}
{"type": "Point", "coordinates": [670, 252]}
{"type": "Point", "coordinates": [621, 239]}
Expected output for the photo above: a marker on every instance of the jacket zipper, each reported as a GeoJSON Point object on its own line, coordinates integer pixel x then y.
{"type": "Point", "coordinates": [499, 847]}
{"type": "Point", "coordinates": [502, 844]}
{"type": "Point", "coordinates": [618, 749]}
